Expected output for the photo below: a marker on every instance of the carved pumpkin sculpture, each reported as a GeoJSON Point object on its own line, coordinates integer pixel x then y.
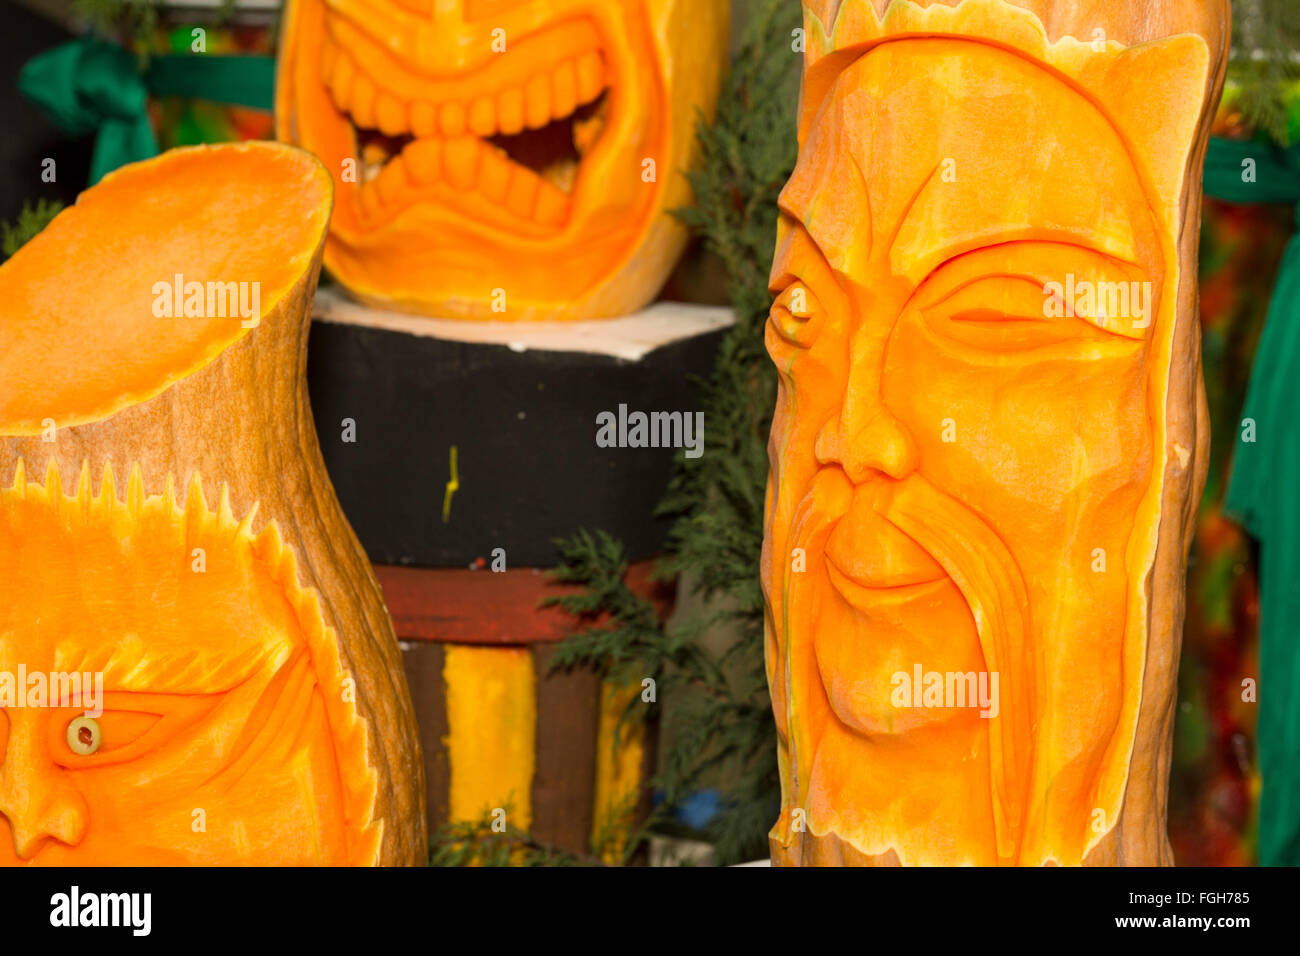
{"type": "Point", "coordinates": [502, 159]}
{"type": "Point", "coordinates": [253, 706]}
{"type": "Point", "coordinates": [990, 434]}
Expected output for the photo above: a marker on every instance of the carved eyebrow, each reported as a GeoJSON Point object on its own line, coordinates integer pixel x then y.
{"type": "Point", "coordinates": [1102, 267]}
{"type": "Point", "coordinates": [134, 665]}
{"type": "Point", "coordinates": [938, 258]}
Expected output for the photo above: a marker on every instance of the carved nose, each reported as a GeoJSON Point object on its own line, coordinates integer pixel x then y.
{"type": "Point", "coordinates": [36, 796]}
{"type": "Point", "coordinates": [868, 444]}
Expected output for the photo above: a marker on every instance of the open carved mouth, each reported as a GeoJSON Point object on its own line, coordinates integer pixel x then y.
{"type": "Point", "coordinates": [515, 140]}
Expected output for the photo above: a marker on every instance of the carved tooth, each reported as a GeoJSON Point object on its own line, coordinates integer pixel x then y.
{"type": "Point", "coordinates": [54, 483]}
{"type": "Point", "coordinates": [424, 161]}
{"type": "Point", "coordinates": [483, 117]}
{"type": "Point", "coordinates": [522, 194]}
{"type": "Point", "coordinates": [135, 490]}
{"type": "Point", "coordinates": [225, 515]}
{"type": "Point", "coordinates": [341, 84]}
{"type": "Point", "coordinates": [392, 181]}
{"type": "Point", "coordinates": [83, 484]}
{"type": "Point", "coordinates": [552, 205]}
{"type": "Point", "coordinates": [510, 111]}
{"type": "Point", "coordinates": [564, 90]}
{"type": "Point", "coordinates": [537, 101]}
{"type": "Point", "coordinates": [368, 196]}
{"type": "Point", "coordinates": [424, 119]}
{"type": "Point", "coordinates": [591, 77]}
{"type": "Point", "coordinates": [169, 492]}
{"type": "Point", "coordinates": [362, 106]}
{"type": "Point", "coordinates": [196, 506]}
{"type": "Point", "coordinates": [451, 119]}
{"type": "Point", "coordinates": [245, 529]}
{"type": "Point", "coordinates": [494, 179]}
{"type": "Point", "coordinates": [587, 131]}
{"type": "Point", "coordinates": [390, 115]}
{"type": "Point", "coordinates": [373, 157]}
{"type": "Point", "coordinates": [460, 158]}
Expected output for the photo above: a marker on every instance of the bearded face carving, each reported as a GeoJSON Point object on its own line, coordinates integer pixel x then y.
{"type": "Point", "coordinates": [986, 436]}
{"type": "Point", "coordinates": [502, 159]}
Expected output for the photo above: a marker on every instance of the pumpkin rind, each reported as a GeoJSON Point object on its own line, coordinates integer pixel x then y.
{"type": "Point", "coordinates": [230, 405]}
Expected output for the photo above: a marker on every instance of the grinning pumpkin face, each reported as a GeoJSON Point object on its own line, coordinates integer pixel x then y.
{"type": "Point", "coordinates": [969, 456]}
{"type": "Point", "coordinates": [521, 154]}
{"type": "Point", "coordinates": [214, 744]}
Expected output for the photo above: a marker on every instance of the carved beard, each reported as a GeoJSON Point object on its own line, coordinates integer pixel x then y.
{"type": "Point", "coordinates": [968, 620]}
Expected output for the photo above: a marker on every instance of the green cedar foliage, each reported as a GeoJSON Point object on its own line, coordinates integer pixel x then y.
{"type": "Point", "coordinates": [31, 220]}
{"type": "Point", "coordinates": [1264, 65]}
{"type": "Point", "coordinates": [488, 842]}
{"type": "Point", "coordinates": [137, 19]}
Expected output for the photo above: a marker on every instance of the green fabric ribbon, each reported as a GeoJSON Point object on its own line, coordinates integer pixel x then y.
{"type": "Point", "coordinates": [92, 86]}
{"type": "Point", "coordinates": [1264, 490]}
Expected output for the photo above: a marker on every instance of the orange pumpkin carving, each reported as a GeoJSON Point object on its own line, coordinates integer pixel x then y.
{"type": "Point", "coordinates": [502, 160]}
{"type": "Point", "coordinates": [253, 707]}
{"type": "Point", "coordinates": [990, 433]}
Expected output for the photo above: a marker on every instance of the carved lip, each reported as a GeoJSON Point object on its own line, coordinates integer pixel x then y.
{"type": "Point", "coordinates": [863, 595]}
{"type": "Point", "coordinates": [513, 133]}
{"type": "Point", "coordinates": [869, 552]}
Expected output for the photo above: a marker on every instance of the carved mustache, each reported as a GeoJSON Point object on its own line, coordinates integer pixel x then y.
{"type": "Point", "coordinates": [974, 557]}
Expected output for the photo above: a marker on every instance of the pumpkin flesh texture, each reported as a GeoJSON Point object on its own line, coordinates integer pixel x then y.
{"type": "Point", "coordinates": [952, 459]}
{"type": "Point", "coordinates": [222, 661]}
{"type": "Point", "coordinates": [463, 168]}
{"type": "Point", "coordinates": [111, 349]}
{"type": "Point", "coordinates": [253, 659]}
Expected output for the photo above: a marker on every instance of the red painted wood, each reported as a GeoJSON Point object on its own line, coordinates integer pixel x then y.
{"type": "Point", "coordinates": [464, 606]}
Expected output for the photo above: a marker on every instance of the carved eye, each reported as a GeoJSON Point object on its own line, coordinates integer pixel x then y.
{"type": "Point", "coordinates": [796, 315]}
{"type": "Point", "coordinates": [128, 726]}
{"type": "Point", "coordinates": [1004, 314]}
{"type": "Point", "coordinates": [84, 736]}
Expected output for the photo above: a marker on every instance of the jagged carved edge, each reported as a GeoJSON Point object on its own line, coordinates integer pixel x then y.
{"type": "Point", "coordinates": [855, 22]}
{"type": "Point", "coordinates": [268, 548]}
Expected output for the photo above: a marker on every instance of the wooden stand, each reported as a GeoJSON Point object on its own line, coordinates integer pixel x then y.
{"type": "Point", "coordinates": [394, 394]}
{"type": "Point", "coordinates": [463, 574]}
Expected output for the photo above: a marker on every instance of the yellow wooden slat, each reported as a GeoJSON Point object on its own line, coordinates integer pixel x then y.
{"type": "Point", "coordinates": [492, 732]}
{"type": "Point", "coordinates": [618, 772]}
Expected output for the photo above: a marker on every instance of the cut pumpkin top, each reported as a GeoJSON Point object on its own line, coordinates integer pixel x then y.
{"type": "Point", "coordinates": [155, 271]}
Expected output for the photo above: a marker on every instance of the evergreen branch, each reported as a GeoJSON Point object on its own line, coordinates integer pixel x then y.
{"type": "Point", "coordinates": [136, 18]}
{"type": "Point", "coordinates": [488, 842]}
{"type": "Point", "coordinates": [31, 220]}
{"type": "Point", "coordinates": [1263, 69]}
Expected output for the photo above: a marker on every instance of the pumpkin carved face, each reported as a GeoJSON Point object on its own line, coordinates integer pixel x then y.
{"type": "Point", "coordinates": [254, 709]}
{"type": "Point", "coordinates": [504, 159]}
{"type": "Point", "coordinates": [984, 438]}
{"type": "Point", "coordinates": [216, 719]}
